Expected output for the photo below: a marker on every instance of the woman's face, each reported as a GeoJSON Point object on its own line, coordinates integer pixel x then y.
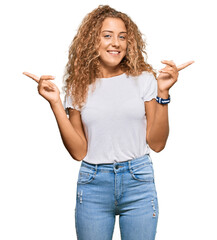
{"type": "Point", "coordinates": [113, 44]}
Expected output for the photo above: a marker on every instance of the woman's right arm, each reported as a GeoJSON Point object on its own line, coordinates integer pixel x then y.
{"type": "Point", "coordinates": [76, 146]}
{"type": "Point", "coordinates": [72, 140]}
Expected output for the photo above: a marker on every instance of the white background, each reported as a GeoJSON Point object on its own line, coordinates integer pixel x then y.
{"type": "Point", "coordinates": [38, 176]}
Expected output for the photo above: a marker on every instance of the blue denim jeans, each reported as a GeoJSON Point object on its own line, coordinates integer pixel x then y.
{"type": "Point", "coordinates": [126, 189]}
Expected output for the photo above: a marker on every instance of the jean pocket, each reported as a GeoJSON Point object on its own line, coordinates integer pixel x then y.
{"type": "Point", "coordinates": [143, 172]}
{"type": "Point", "coordinates": [86, 175]}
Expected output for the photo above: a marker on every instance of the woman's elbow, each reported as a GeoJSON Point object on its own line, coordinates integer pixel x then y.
{"type": "Point", "coordinates": [157, 147]}
{"type": "Point", "coordinates": [80, 153]}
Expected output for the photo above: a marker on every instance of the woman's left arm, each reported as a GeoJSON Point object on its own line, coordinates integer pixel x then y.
{"type": "Point", "coordinates": [156, 113]}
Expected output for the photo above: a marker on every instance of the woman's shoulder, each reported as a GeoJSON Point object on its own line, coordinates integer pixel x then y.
{"type": "Point", "coordinates": [147, 74]}
{"type": "Point", "coordinates": [142, 75]}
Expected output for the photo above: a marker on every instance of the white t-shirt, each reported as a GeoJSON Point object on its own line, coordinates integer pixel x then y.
{"type": "Point", "coordinates": [114, 117]}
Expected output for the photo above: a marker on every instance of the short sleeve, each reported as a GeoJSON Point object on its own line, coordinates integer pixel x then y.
{"type": "Point", "coordinates": [67, 103]}
{"type": "Point", "coordinates": [149, 87]}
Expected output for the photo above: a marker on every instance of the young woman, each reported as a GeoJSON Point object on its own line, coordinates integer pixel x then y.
{"type": "Point", "coordinates": [118, 110]}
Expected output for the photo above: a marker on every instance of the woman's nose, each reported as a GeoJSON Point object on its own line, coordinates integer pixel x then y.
{"type": "Point", "coordinates": [115, 42]}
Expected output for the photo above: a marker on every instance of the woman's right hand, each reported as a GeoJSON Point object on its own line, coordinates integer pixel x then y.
{"type": "Point", "coordinates": [46, 88]}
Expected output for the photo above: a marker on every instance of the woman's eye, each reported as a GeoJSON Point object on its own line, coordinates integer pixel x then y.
{"type": "Point", "coordinates": [122, 37]}
{"type": "Point", "coordinates": [109, 36]}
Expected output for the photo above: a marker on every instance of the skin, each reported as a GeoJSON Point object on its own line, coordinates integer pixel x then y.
{"type": "Point", "coordinates": [71, 130]}
{"type": "Point", "coordinates": [114, 38]}
{"type": "Point", "coordinates": [157, 114]}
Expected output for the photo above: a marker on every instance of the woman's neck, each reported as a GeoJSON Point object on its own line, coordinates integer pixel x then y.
{"type": "Point", "coordinates": [110, 72]}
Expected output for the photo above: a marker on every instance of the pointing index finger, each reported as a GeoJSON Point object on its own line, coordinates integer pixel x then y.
{"type": "Point", "coordinates": [47, 77]}
{"type": "Point", "coordinates": [184, 65]}
{"type": "Point", "coordinates": [37, 79]}
{"type": "Point", "coordinates": [34, 77]}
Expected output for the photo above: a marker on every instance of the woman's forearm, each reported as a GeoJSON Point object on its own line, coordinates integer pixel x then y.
{"type": "Point", "coordinates": [75, 145]}
{"type": "Point", "coordinates": [159, 130]}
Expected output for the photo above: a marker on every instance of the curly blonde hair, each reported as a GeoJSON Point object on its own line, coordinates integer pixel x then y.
{"type": "Point", "coordinates": [83, 67]}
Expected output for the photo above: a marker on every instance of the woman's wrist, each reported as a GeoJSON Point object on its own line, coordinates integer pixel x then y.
{"type": "Point", "coordinates": [53, 104]}
{"type": "Point", "coordinates": [163, 94]}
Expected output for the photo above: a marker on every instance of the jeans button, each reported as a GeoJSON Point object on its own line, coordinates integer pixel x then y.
{"type": "Point", "coordinates": [116, 167]}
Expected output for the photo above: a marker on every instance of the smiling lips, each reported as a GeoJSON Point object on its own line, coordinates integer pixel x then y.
{"type": "Point", "coordinates": [113, 52]}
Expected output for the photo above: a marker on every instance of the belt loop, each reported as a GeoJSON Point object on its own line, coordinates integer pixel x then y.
{"type": "Point", "coordinates": [129, 164]}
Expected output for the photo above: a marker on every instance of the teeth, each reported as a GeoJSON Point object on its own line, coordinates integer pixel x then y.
{"type": "Point", "coordinates": [113, 52]}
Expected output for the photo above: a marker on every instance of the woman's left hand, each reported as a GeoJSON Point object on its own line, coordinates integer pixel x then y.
{"type": "Point", "coordinates": [169, 75]}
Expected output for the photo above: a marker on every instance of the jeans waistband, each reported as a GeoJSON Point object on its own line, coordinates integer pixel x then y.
{"type": "Point", "coordinates": [132, 163]}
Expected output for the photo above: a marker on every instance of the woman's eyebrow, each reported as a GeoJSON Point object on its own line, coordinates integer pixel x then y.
{"type": "Point", "coordinates": [111, 31]}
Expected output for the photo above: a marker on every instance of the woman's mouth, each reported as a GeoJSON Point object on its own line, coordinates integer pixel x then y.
{"type": "Point", "coordinates": [113, 52]}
